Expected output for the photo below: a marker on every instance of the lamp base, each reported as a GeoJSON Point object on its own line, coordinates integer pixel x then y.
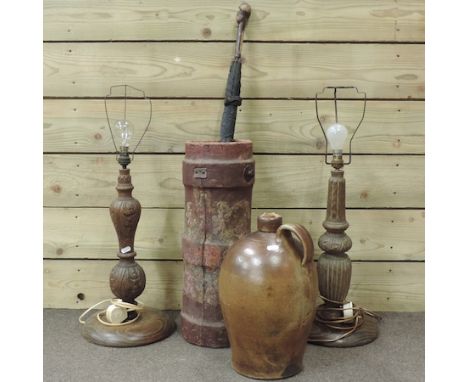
{"type": "Point", "coordinates": [324, 336]}
{"type": "Point", "coordinates": [151, 326]}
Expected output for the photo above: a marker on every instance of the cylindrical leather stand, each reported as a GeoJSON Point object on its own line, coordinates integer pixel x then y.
{"type": "Point", "coordinates": [218, 179]}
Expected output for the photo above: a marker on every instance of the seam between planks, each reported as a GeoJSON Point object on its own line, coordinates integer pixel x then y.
{"type": "Point", "coordinates": [100, 98]}
{"type": "Point", "coordinates": [260, 208]}
{"type": "Point", "coordinates": [181, 260]}
{"type": "Point", "coordinates": [254, 153]}
{"type": "Point", "coordinates": [354, 42]}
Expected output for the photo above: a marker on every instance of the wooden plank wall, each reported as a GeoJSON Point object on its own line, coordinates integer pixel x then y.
{"type": "Point", "coordinates": [179, 52]}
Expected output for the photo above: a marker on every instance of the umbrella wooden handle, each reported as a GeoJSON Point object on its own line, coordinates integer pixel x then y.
{"type": "Point", "coordinates": [242, 17]}
{"type": "Point", "coordinates": [243, 14]}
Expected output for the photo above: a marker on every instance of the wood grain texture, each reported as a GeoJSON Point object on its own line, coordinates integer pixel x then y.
{"type": "Point", "coordinates": [292, 20]}
{"type": "Point", "coordinates": [87, 233]}
{"type": "Point", "coordinates": [199, 70]}
{"type": "Point", "coordinates": [377, 286]}
{"type": "Point", "coordinates": [389, 127]}
{"type": "Point", "coordinates": [287, 181]}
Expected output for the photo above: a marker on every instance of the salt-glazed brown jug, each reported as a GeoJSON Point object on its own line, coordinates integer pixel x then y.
{"type": "Point", "coordinates": [267, 289]}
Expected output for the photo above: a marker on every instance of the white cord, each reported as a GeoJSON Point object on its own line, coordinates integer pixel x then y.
{"type": "Point", "coordinates": [116, 302]}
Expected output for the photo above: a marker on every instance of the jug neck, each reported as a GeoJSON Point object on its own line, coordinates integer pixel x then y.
{"type": "Point", "coordinates": [269, 222]}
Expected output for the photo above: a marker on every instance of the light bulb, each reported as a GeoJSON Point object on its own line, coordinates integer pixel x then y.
{"type": "Point", "coordinates": [336, 136]}
{"type": "Point", "coordinates": [126, 131]}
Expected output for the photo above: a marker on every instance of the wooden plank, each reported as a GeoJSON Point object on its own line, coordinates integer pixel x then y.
{"type": "Point", "coordinates": [291, 20]}
{"type": "Point", "coordinates": [286, 181]}
{"type": "Point", "coordinates": [389, 127]}
{"type": "Point", "coordinates": [377, 286]}
{"type": "Point", "coordinates": [88, 233]}
{"type": "Point", "coordinates": [200, 70]}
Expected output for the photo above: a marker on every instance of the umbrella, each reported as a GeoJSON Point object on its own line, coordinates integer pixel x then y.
{"type": "Point", "coordinates": [232, 99]}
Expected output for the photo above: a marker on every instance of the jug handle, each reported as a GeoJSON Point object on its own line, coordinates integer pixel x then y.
{"type": "Point", "coordinates": [301, 232]}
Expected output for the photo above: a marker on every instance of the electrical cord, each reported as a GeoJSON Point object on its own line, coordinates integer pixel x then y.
{"type": "Point", "coordinates": [118, 303]}
{"type": "Point", "coordinates": [348, 324]}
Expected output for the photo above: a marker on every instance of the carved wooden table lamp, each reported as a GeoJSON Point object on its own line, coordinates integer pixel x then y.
{"type": "Point", "coordinates": [126, 322]}
{"type": "Point", "coordinates": [338, 323]}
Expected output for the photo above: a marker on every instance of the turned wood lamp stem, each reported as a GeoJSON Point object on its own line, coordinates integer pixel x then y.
{"type": "Point", "coordinates": [334, 265]}
{"type": "Point", "coordinates": [127, 278]}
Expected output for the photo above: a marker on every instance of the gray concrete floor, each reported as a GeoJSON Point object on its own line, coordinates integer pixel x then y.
{"type": "Point", "coordinates": [397, 355]}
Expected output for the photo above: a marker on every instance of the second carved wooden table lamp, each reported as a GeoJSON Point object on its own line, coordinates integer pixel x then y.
{"type": "Point", "coordinates": [338, 323]}
{"type": "Point", "coordinates": [126, 322]}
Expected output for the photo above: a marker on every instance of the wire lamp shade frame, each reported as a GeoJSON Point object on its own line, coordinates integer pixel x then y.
{"type": "Point", "coordinates": [112, 96]}
{"type": "Point", "coordinates": [335, 91]}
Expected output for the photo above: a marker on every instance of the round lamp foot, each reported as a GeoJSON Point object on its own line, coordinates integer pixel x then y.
{"type": "Point", "coordinates": [151, 326]}
{"type": "Point", "coordinates": [325, 336]}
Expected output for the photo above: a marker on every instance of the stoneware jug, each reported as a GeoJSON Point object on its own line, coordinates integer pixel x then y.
{"type": "Point", "coordinates": [267, 288]}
